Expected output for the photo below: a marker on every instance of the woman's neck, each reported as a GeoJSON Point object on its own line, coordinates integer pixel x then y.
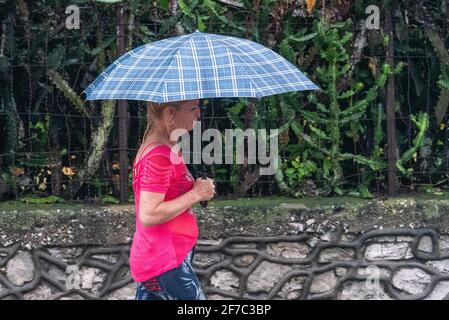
{"type": "Point", "coordinates": [159, 135]}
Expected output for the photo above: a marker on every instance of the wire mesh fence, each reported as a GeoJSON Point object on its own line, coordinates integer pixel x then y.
{"type": "Point", "coordinates": [50, 137]}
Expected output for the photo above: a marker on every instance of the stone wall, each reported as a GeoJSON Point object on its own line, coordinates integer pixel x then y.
{"type": "Point", "coordinates": [386, 264]}
{"type": "Point", "coordinates": [284, 252]}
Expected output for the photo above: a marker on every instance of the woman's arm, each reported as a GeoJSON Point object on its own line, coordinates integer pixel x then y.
{"type": "Point", "coordinates": [153, 210]}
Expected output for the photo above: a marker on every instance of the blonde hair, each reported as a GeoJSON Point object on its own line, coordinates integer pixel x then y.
{"type": "Point", "coordinates": [154, 114]}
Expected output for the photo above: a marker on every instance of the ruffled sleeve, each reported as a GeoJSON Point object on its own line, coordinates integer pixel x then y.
{"type": "Point", "coordinates": [156, 173]}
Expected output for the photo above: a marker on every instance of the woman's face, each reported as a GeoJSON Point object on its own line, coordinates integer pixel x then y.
{"type": "Point", "coordinates": [185, 115]}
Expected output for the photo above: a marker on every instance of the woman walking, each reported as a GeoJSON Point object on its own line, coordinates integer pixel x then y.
{"type": "Point", "coordinates": [165, 191]}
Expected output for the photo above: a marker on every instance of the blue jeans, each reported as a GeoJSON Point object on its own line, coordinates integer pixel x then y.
{"type": "Point", "coordinates": [179, 283]}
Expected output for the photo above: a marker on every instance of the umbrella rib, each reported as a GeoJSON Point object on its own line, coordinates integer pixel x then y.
{"type": "Point", "coordinates": [151, 45]}
{"type": "Point", "coordinates": [91, 87]}
{"type": "Point", "coordinates": [174, 58]}
{"type": "Point", "coordinates": [214, 65]}
{"type": "Point", "coordinates": [267, 86]}
{"type": "Point", "coordinates": [249, 56]}
{"type": "Point", "coordinates": [253, 88]}
{"type": "Point", "coordinates": [197, 66]}
{"type": "Point", "coordinates": [161, 80]}
{"type": "Point", "coordinates": [128, 72]}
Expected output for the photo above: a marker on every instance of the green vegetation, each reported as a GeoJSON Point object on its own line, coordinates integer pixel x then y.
{"type": "Point", "coordinates": [55, 147]}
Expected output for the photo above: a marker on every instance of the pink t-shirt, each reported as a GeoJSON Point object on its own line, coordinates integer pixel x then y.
{"type": "Point", "coordinates": [159, 248]}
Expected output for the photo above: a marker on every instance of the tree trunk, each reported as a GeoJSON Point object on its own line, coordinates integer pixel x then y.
{"type": "Point", "coordinates": [56, 170]}
{"type": "Point", "coordinates": [173, 5]}
{"type": "Point", "coordinates": [122, 111]}
{"type": "Point", "coordinates": [248, 178]}
{"type": "Point", "coordinates": [98, 144]}
{"type": "Point", "coordinates": [391, 115]}
{"type": "Point", "coordinates": [109, 175]}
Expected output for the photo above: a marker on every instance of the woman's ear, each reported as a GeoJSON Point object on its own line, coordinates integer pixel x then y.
{"type": "Point", "coordinates": [171, 111]}
{"type": "Point", "coordinates": [171, 114]}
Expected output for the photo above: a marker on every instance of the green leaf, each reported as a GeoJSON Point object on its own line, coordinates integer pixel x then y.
{"type": "Point", "coordinates": [55, 57]}
{"type": "Point", "coordinates": [364, 192]}
{"type": "Point", "coordinates": [313, 116]}
{"type": "Point", "coordinates": [105, 43]}
{"type": "Point", "coordinates": [40, 125]}
{"type": "Point", "coordinates": [216, 10]}
{"type": "Point", "coordinates": [422, 122]}
{"type": "Point", "coordinates": [201, 25]}
{"type": "Point", "coordinates": [287, 51]}
{"type": "Point", "coordinates": [322, 107]}
{"type": "Point", "coordinates": [170, 23]}
{"type": "Point", "coordinates": [327, 165]}
{"type": "Point", "coordinates": [339, 191]}
{"type": "Point", "coordinates": [237, 108]}
{"type": "Point", "coordinates": [346, 37]}
{"type": "Point", "coordinates": [186, 9]}
{"type": "Point", "coordinates": [68, 91]}
{"type": "Point", "coordinates": [321, 135]}
{"type": "Point", "coordinates": [354, 117]}
{"type": "Point", "coordinates": [109, 199]}
{"type": "Point", "coordinates": [373, 164]}
{"type": "Point", "coordinates": [163, 4]}
{"type": "Point", "coordinates": [304, 38]}
{"type": "Point", "coordinates": [221, 171]}
{"type": "Point", "coordinates": [29, 198]}
{"type": "Point", "coordinates": [236, 121]}
{"type": "Point", "coordinates": [346, 94]}
{"type": "Point", "coordinates": [295, 127]}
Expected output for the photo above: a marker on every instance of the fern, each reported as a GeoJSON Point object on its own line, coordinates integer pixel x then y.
{"type": "Point", "coordinates": [303, 38]}
{"type": "Point", "coordinates": [342, 110]}
{"type": "Point", "coordinates": [287, 51]}
{"type": "Point", "coordinates": [187, 8]}
{"type": "Point", "coordinates": [422, 123]}
{"type": "Point", "coordinates": [59, 82]}
{"type": "Point", "coordinates": [443, 82]}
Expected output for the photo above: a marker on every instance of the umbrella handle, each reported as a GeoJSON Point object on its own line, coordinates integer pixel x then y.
{"type": "Point", "coordinates": [204, 203]}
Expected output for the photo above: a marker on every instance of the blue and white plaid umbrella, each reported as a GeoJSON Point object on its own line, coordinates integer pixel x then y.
{"type": "Point", "coordinates": [196, 66]}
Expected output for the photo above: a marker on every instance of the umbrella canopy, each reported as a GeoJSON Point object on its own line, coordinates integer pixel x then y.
{"type": "Point", "coordinates": [196, 66]}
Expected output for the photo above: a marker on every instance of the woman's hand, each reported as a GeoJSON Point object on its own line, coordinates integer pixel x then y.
{"type": "Point", "coordinates": [204, 189]}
